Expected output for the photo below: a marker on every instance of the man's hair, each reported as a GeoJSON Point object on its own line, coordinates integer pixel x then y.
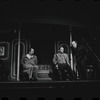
{"type": "Point", "coordinates": [74, 41]}
{"type": "Point", "coordinates": [61, 47]}
{"type": "Point", "coordinates": [31, 49]}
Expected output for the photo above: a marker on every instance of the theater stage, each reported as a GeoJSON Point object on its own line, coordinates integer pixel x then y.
{"type": "Point", "coordinates": [48, 84]}
{"type": "Point", "coordinates": [50, 90]}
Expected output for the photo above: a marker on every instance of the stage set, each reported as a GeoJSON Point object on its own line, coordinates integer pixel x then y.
{"type": "Point", "coordinates": [46, 39]}
{"type": "Point", "coordinates": [45, 26]}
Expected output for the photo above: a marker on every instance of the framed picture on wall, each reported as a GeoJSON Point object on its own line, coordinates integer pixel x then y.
{"type": "Point", "coordinates": [2, 50]}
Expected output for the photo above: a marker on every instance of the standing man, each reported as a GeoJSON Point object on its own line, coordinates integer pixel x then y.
{"type": "Point", "coordinates": [61, 61]}
{"type": "Point", "coordinates": [79, 54]}
{"type": "Point", "coordinates": [29, 62]}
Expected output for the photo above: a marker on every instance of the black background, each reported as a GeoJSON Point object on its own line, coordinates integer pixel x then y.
{"type": "Point", "coordinates": [78, 13]}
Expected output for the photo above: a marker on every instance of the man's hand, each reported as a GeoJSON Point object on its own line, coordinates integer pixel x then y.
{"type": "Point", "coordinates": [57, 66]}
{"type": "Point", "coordinates": [68, 64]}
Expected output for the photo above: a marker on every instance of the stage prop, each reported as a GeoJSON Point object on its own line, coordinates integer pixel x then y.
{"type": "Point", "coordinates": [71, 56]}
{"type": "Point", "coordinates": [14, 55]}
{"type": "Point", "coordinates": [4, 50]}
{"type": "Point", "coordinates": [43, 72]}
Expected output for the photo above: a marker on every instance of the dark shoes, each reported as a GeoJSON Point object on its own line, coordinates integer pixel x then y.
{"type": "Point", "coordinates": [35, 79]}
{"type": "Point", "coordinates": [30, 79]}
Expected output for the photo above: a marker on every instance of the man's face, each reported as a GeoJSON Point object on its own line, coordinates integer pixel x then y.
{"type": "Point", "coordinates": [61, 49]}
{"type": "Point", "coordinates": [74, 44]}
{"type": "Point", "coordinates": [31, 52]}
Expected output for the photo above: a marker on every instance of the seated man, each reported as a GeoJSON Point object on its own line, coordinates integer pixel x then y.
{"type": "Point", "coordinates": [61, 61]}
{"type": "Point", "coordinates": [29, 62]}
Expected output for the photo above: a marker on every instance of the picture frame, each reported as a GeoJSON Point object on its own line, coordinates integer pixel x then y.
{"type": "Point", "coordinates": [2, 50]}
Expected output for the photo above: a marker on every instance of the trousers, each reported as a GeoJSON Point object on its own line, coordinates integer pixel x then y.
{"type": "Point", "coordinates": [30, 69]}
{"type": "Point", "coordinates": [66, 68]}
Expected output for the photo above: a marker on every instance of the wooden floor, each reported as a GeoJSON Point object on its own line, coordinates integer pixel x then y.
{"type": "Point", "coordinates": [48, 84]}
{"type": "Point", "coordinates": [50, 90]}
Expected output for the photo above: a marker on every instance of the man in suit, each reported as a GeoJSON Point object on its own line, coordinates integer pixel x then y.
{"type": "Point", "coordinates": [61, 61]}
{"type": "Point", "coordinates": [29, 62]}
{"type": "Point", "coordinates": [79, 53]}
